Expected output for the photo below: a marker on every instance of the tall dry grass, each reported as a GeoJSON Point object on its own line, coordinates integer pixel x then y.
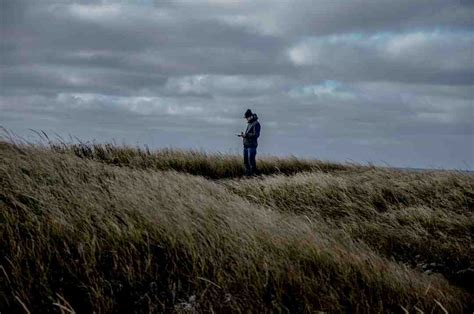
{"type": "Point", "coordinates": [212, 166]}
{"type": "Point", "coordinates": [83, 234]}
{"type": "Point", "coordinates": [425, 220]}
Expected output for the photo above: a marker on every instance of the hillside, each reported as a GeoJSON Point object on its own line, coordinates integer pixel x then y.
{"type": "Point", "coordinates": [116, 229]}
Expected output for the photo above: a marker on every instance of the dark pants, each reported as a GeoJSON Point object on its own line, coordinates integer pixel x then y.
{"type": "Point", "coordinates": [249, 160]}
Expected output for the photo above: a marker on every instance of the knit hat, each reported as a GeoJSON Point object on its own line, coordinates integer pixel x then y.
{"type": "Point", "coordinates": [248, 113]}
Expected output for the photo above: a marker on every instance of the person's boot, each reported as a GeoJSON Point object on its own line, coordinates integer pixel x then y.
{"type": "Point", "coordinates": [255, 172]}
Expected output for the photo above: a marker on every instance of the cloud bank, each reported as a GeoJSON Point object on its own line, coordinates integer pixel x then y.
{"type": "Point", "coordinates": [364, 80]}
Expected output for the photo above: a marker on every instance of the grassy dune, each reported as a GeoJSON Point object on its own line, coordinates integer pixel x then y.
{"type": "Point", "coordinates": [114, 229]}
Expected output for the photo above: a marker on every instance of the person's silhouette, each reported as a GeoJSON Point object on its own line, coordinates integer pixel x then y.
{"type": "Point", "coordinates": [250, 142]}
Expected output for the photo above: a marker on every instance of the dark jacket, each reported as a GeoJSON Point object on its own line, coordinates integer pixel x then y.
{"type": "Point", "coordinates": [252, 132]}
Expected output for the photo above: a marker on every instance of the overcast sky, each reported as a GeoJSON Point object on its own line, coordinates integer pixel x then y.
{"type": "Point", "coordinates": [381, 81]}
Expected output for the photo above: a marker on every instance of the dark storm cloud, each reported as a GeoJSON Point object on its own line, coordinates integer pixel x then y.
{"type": "Point", "coordinates": [358, 80]}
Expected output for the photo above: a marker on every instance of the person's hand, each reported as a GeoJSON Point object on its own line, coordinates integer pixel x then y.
{"type": "Point", "coordinates": [242, 134]}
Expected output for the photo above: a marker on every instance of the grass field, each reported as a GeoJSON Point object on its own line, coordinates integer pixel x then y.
{"type": "Point", "coordinates": [104, 228]}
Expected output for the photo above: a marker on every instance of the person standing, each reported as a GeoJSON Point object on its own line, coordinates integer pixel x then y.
{"type": "Point", "coordinates": [250, 142]}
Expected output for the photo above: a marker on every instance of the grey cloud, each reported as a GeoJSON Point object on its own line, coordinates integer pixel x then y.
{"type": "Point", "coordinates": [429, 57]}
{"type": "Point", "coordinates": [338, 16]}
{"type": "Point", "coordinates": [332, 79]}
{"type": "Point", "coordinates": [225, 85]}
